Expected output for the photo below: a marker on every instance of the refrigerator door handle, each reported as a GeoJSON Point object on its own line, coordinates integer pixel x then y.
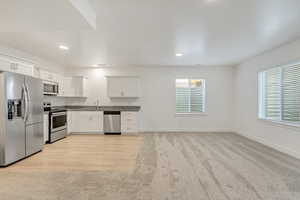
{"type": "Point", "coordinates": [27, 92]}
{"type": "Point", "coordinates": [25, 103]}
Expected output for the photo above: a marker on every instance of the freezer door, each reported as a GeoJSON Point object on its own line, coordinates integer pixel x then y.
{"type": "Point", "coordinates": [34, 138]}
{"type": "Point", "coordinates": [14, 136]}
{"type": "Point", "coordinates": [35, 100]}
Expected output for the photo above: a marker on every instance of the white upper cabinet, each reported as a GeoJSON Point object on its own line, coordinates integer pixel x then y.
{"type": "Point", "coordinates": [4, 65]}
{"type": "Point", "coordinates": [67, 86]}
{"type": "Point", "coordinates": [21, 68]}
{"type": "Point", "coordinates": [15, 65]}
{"type": "Point", "coordinates": [123, 87]}
{"type": "Point", "coordinates": [61, 89]}
{"type": "Point", "coordinates": [73, 87]}
{"type": "Point", "coordinates": [48, 76]}
{"type": "Point", "coordinates": [79, 85]}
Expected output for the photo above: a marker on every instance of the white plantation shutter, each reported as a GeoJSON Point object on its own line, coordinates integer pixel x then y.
{"type": "Point", "coordinates": [190, 95]}
{"type": "Point", "coordinates": [273, 94]}
{"type": "Point", "coordinates": [291, 94]}
{"type": "Point", "coordinates": [280, 94]}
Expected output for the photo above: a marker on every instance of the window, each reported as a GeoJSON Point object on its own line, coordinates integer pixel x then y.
{"type": "Point", "coordinates": [279, 95]}
{"type": "Point", "coordinates": [190, 96]}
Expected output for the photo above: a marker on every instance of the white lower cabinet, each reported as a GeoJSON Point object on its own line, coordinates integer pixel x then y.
{"type": "Point", "coordinates": [46, 127]}
{"type": "Point", "coordinates": [85, 122]}
{"type": "Point", "coordinates": [129, 122]}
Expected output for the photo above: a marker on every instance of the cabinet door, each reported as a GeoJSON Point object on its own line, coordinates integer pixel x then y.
{"type": "Point", "coordinates": [68, 88]}
{"type": "Point", "coordinates": [130, 87]}
{"type": "Point", "coordinates": [101, 118]}
{"type": "Point", "coordinates": [84, 87]}
{"type": "Point", "coordinates": [61, 87]}
{"type": "Point", "coordinates": [86, 122]}
{"type": "Point", "coordinates": [74, 122]}
{"type": "Point", "coordinates": [44, 75]}
{"type": "Point", "coordinates": [92, 121]}
{"type": "Point", "coordinates": [46, 128]}
{"type": "Point", "coordinates": [4, 65]}
{"type": "Point", "coordinates": [24, 69]}
{"type": "Point", "coordinates": [74, 86]}
{"type": "Point", "coordinates": [21, 69]}
{"type": "Point", "coordinates": [114, 87]}
{"type": "Point", "coordinates": [14, 65]}
{"type": "Point", "coordinates": [78, 84]}
{"type": "Point", "coordinates": [127, 87]}
{"type": "Point", "coordinates": [123, 122]}
{"type": "Point", "coordinates": [70, 122]}
{"type": "Point", "coordinates": [129, 122]}
{"type": "Point", "coordinates": [48, 76]}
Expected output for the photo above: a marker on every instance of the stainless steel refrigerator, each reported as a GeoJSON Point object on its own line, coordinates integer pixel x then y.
{"type": "Point", "coordinates": [21, 117]}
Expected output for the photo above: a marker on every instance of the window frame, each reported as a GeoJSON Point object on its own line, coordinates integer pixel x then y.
{"type": "Point", "coordinates": [204, 109]}
{"type": "Point", "coordinates": [261, 106]}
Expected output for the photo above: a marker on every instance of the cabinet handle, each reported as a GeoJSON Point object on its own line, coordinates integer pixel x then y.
{"type": "Point", "coordinates": [122, 93]}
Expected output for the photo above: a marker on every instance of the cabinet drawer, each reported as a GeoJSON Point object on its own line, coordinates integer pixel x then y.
{"type": "Point", "coordinates": [130, 120]}
{"type": "Point", "coordinates": [130, 115]}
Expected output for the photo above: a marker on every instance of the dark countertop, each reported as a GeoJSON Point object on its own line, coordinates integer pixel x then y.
{"type": "Point", "coordinates": [99, 108]}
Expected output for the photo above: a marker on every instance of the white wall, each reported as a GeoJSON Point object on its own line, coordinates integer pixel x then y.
{"type": "Point", "coordinates": [281, 137]}
{"type": "Point", "coordinates": [158, 96]}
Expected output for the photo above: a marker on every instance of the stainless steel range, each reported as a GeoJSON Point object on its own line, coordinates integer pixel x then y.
{"type": "Point", "coordinates": [57, 125]}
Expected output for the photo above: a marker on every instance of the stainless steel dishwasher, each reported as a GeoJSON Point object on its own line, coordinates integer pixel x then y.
{"type": "Point", "coordinates": [112, 122]}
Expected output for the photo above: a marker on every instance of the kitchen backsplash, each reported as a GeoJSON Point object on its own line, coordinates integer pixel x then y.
{"type": "Point", "coordinates": [61, 101]}
{"type": "Point", "coordinates": [98, 101]}
{"type": "Point", "coordinates": [55, 101]}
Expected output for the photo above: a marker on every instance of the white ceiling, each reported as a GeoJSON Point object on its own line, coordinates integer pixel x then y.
{"type": "Point", "coordinates": [150, 32]}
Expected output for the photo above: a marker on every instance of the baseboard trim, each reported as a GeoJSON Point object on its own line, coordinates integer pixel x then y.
{"type": "Point", "coordinates": [277, 147]}
{"type": "Point", "coordinates": [86, 133]}
{"type": "Point", "coordinates": [187, 132]}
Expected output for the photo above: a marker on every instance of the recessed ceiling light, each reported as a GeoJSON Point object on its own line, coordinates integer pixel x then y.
{"type": "Point", "coordinates": [179, 54]}
{"type": "Point", "coordinates": [100, 65]}
{"type": "Point", "coordinates": [63, 47]}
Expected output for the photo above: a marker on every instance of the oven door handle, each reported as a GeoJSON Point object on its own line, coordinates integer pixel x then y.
{"type": "Point", "coordinates": [58, 114]}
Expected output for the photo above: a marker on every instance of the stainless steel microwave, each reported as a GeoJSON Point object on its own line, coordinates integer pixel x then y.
{"type": "Point", "coordinates": [50, 88]}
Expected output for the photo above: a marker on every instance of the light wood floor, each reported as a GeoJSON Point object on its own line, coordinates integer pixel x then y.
{"type": "Point", "coordinates": [199, 166]}
{"type": "Point", "coordinates": [85, 152]}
